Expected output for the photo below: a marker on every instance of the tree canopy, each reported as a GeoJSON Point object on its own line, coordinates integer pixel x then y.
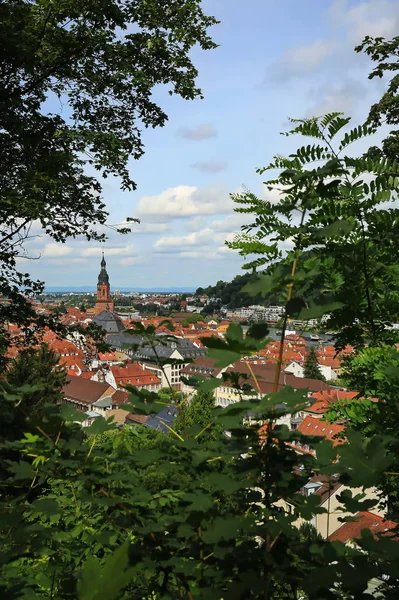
{"type": "Point", "coordinates": [76, 86]}
{"type": "Point", "coordinates": [311, 368]}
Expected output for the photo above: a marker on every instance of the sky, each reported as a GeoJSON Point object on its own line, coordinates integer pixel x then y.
{"type": "Point", "coordinates": [276, 59]}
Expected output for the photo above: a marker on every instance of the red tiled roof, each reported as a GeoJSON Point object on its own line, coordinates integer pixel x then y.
{"type": "Point", "coordinates": [88, 374]}
{"type": "Point", "coordinates": [73, 363]}
{"type": "Point", "coordinates": [320, 428]}
{"type": "Point", "coordinates": [134, 374]}
{"type": "Point", "coordinates": [265, 376]}
{"type": "Point", "coordinates": [325, 398]}
{"type": "Point", "coordinates": [365, 520]}
{"type": "Point", "coordinates": [106, 355]}
{"type": "Point", "coordinates": [137, 418]}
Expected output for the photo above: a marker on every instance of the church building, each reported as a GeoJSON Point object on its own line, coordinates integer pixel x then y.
{"type": "Point", "coordinates": [104, 306]}
{"type": "Point", "coordinates": [104, 300]}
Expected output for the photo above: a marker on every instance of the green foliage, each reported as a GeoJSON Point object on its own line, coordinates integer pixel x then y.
{"type": "Point", "coordinates": [233, 294]}
{"type": "Point", "coordinates": [197, 412]}
{"type": "Point", "coordinates": [384, 54]}
{"type": "Point", "coordinates": [192, 318]}
{"type": "Point", "coordinates": [342, 236]}
{"type": "Point", "coordinates": [311, 369]}
{"type": "Point", "coordinates": [36, 372]}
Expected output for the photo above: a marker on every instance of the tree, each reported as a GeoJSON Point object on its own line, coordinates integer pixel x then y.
{"type": "Point", "coordinates": [191, 319]}
{"type": "Point", "coordinates": [197, 412]}
{"type": "Point", "coordinates": [311, 366]}
{"type": "Point", "coordinates": [83, 307]}
{"type": "Point", "coordinates": [168, 394]}
{"type": "Point", "coordinates": [38, 372]}
{"type": "Point", "coordinates": [384, 53]}
{"type": "Point", "coordinates": [96, 66]}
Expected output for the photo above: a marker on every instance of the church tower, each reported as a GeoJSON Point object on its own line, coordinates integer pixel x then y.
{"type": "Point", "coordinates": [104, 300]}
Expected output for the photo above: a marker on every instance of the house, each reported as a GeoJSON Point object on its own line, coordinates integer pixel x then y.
{"type": "Point", "coordinates": [133, 374]}
{"type": "Point", "coordinates": [92, 397]}
{"type": "Point", "coordinates": [352, 530]}
{"type": "Point", "coordinates": [226, 394]}
{"type": "Point", "coordinates": [163, 421]}
{"type": "Point", "coordinates": [321, 402]}
{"type": "Point", "coordinates": [84, 393]}
{"type": "Point", "coordinates": [319, 428]}
{"type": "Point", "coordinates": [223, 326]}
{"type": "Point", "coordinates": [328, 489]}
{"type": "Point", "coordinates": [203, 367]}
{"type": "Point", "coordinates": [212, 323]}
{"type": "Point", "coordinates": [173, 354]}
{"type": "Point", "coordinates": [295, 368]}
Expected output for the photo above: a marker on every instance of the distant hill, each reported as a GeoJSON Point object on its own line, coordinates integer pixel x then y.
{"type": "Point", "coordinates": [88, 288]}
{"type": "Point", "coordinates": [231, 294]}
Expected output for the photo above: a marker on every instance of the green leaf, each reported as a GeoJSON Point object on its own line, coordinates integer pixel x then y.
{"type": "Point", "coordinates": [341, 227]}
{"type": "Point", "coordinates": [69, 413]}
{"type": "Point", "coordinates": [105, 581]}
{"type": "Point", "coordinates": [316, 311]}
{"type": "Point", "coordinates": [262, 285]}
{"type": "Point", "coordinates": [234, 333]}
{"type": "Point", "coordinates": [99, 425]}
{"type": "Point", "coordinates": [258, 331]}
{"type": "Point", "coordinates": [223, 358]}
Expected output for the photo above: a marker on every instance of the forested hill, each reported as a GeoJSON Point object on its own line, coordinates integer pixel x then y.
{"type": "Point", "coordinates": [231, 294]}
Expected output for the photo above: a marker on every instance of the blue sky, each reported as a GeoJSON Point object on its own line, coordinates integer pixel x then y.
{"type": "Point", "coordinates": [276, 59]}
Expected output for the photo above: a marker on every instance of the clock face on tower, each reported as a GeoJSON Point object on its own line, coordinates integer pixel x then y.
{"type": "Point", "coordinates": [104, 300]}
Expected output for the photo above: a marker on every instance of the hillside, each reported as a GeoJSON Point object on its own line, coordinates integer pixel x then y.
{"type": "Point", "coordinates": [231, 294]}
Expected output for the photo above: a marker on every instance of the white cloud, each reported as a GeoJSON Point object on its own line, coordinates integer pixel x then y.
{"type": "Point", "coordinates": [343, 97]}
{"type": "Point", "coordinates": [208, 239]}
{"type": "Point", "coordinates": [67, 261]}
{"type": "Point", "coordinates": [377, 18]}
{"type": "Point", "coordinates": [219, 253]}
{"type": "Point", "coordinates": [122, 250]}
{"type": "Point", "coordinates": [185, 201]}
{"type": "Point", "coordinates": [274, 194]}
{"type": "Point", "coordinates": [131, 260]}
{"type": "Point", "coordinates": [54, 250]}
{"type": "Point", "coordinates": [301, 61]}
{"type": "Point", "coordinates": [196, 223]}
{"type": "Point", "coordinates": [210, 166]}
{"type": "Point", "coordinates": [202, 132]}
{"type": "Point", "coordinates": [232, 223]}
{"type": "Point", "coordinates": [196, 238]}
{"type": "Point", "coordinates": [335, 55]}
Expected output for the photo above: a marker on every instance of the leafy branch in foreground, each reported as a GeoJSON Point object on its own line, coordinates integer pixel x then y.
{"type": "Point", "coordinates": [194, 515]}
{"type": "Point", "coordinates": [335, 208]}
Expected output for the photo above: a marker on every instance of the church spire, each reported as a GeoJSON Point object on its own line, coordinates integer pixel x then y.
{"type": "Point", "coordinates": [103, 278]}
{"type": "Point", "coordinates": [104, 300]}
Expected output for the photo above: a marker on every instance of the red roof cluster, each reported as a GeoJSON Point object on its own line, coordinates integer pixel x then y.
{"type": "Point", "coordinates": [365, 520]}
{"type": "Point", "coordinates": [320, 428]}
{"type": "Point", "coordinates": [325, 398]}
{"type": "Point", "coordinates": [134, 374]}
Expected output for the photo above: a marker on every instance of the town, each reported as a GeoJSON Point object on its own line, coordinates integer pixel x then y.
{"type": "Point", "coordinates": [96, 381]}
